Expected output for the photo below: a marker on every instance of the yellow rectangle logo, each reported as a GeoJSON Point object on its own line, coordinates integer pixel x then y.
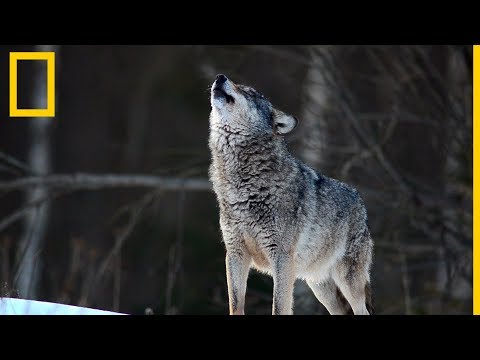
{"type": "Point", "coordinates": [50, 110]}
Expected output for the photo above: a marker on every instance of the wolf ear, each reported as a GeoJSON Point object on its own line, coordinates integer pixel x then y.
{"type": "Point", "coordinates": [283, 123]}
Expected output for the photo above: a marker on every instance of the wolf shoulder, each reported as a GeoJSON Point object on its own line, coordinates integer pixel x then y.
{"type": "Point", "coordinates": [338, 198]}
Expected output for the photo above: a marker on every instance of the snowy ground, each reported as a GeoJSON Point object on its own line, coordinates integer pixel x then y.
{"type": "Point", "coordinates": [10, 306]}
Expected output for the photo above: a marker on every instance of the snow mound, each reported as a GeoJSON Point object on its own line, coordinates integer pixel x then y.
{"type": "Point", "coordinates": [10, 306]}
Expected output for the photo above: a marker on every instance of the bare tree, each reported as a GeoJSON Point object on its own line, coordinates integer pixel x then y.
{"type": "Point", "coordinates": [39, 161]}
{"type": "Point", "coordinates": [313, 142]}
{"type": "Point", "coordinates": [316, 106]}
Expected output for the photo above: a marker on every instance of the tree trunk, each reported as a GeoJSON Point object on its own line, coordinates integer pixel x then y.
{"type": "Point", "coordinates": [460, 126]}
{"type": "Point", "coordinates": [36, 221]}
{"type": "Point", "coordinates": [313, 146]}
{"type": "Point", "coordinates": [316, 108]}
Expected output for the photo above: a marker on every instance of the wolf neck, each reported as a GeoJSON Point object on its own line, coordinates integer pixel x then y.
{"type": "Point", "coordinates": [239, 159]}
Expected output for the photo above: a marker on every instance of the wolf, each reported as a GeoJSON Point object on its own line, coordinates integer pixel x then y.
{"type": "Point", "coordinates": [279, 216]}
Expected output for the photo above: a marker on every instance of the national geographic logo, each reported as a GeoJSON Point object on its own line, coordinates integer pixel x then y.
{"type": "Point", "coordinates": [49, 57]}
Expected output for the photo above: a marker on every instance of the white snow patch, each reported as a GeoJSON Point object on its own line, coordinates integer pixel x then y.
{"type": "Point", "coordinates": [9, 306]}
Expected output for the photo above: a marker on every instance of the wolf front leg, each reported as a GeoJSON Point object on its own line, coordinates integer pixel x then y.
{"type": "Point", "coordinates": [238, 265]}
{"type": "Point", "coordinates": [283, 283]}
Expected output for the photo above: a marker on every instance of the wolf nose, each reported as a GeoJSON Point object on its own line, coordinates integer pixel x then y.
{"type": "Point", "coordinates": [220, 79]}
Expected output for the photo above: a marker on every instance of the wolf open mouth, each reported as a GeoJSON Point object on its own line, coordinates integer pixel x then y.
{"type": "Point", "coordinates": [218, 92]}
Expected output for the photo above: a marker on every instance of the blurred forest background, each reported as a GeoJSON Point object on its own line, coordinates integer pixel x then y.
{"type": "Point", "coordinates": [132, 235]}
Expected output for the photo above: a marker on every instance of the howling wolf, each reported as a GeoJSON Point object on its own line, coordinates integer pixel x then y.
{"type": "Point", "coordinates": [278, 215]}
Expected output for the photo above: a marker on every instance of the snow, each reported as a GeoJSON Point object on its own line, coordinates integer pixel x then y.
{"type": "Point", "coordinates": [9, 306]}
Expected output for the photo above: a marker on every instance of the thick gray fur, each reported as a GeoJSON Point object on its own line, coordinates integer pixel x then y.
{"type": "Point", "coordinates": [278, 215]}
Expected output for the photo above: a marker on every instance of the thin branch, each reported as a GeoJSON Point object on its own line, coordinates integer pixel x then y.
{"type": "Point", "coordinates": [81, 181]}
{"type": "Point", "coordinates": [135, 215]}
{"type": "Point", "coordinates": [15, 216]}
{"type": "Point", "coordinates": [120, 239]}
{"type": "Point", "coordinates": [377, 150]}
{"type": "Point", "coordinates": [117, 282]}
{"type": "Point", "coordinates": [16, 163]}
{"type": "Point", "coordinates": [175, 256]}
{"type": "Point", "coordinates": [405, 279]}
{"type": "Point", "coordinates": [8, 170]}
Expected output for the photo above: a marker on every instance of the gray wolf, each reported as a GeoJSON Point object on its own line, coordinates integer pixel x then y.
{"type": "Point", "coordinates": [278, 215]}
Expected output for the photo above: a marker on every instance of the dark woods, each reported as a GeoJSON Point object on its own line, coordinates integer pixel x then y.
{"type": "Point", "coordinates": [132, 234]}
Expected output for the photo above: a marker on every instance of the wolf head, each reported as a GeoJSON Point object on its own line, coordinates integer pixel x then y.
{"type": "Point", "coordinates": [244, 110]}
